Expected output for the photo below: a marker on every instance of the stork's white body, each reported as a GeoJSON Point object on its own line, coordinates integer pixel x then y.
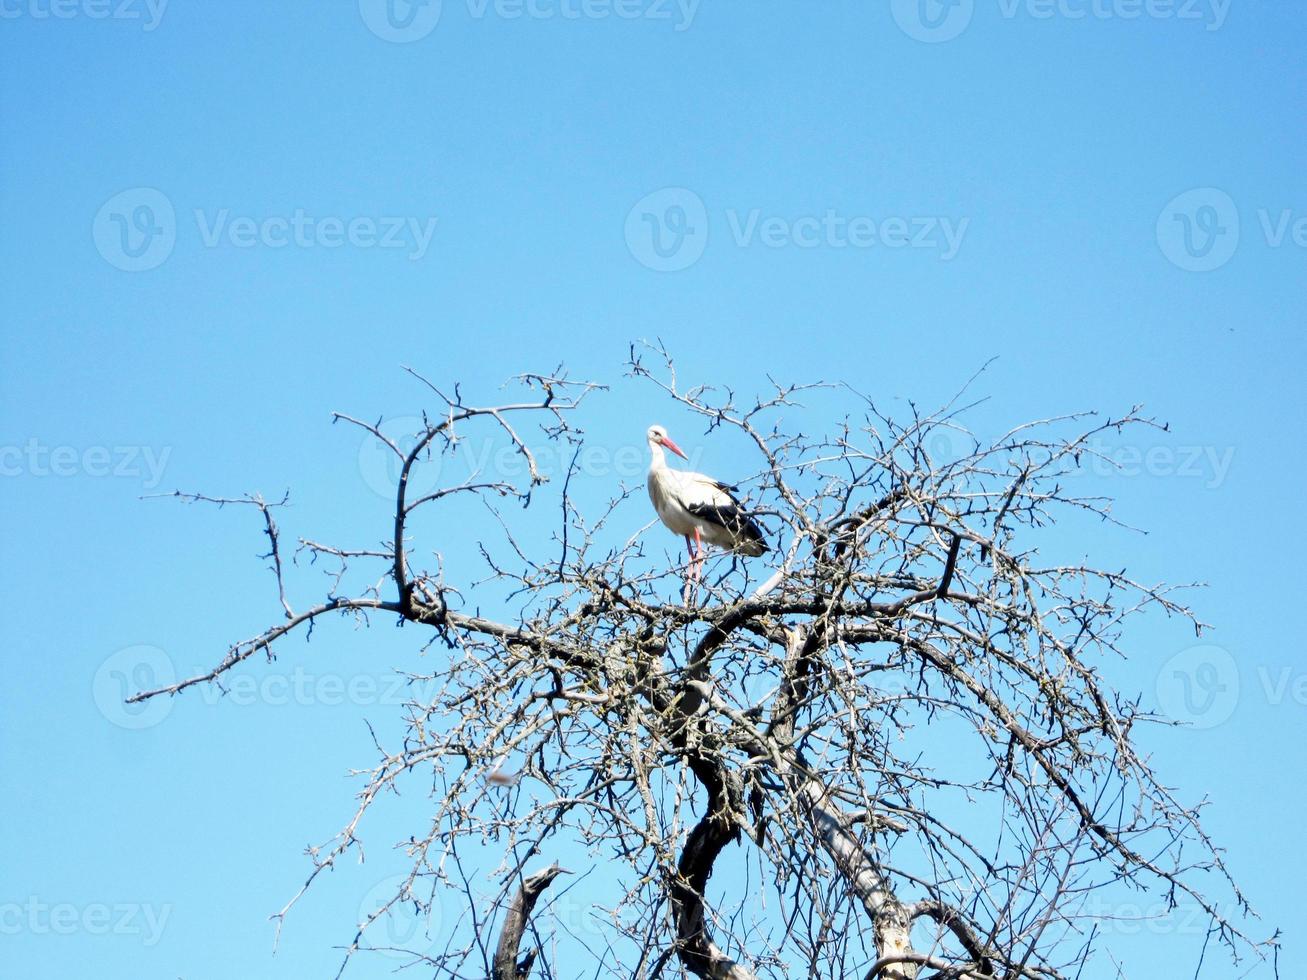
{"type": "Point", "coordinates": [674, 492]}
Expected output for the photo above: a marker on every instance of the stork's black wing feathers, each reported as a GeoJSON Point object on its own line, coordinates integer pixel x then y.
{"type": "Point", "coordinates": [731, 516]}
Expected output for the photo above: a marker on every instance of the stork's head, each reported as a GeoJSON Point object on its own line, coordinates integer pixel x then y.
{"type": "Point", "coordinates": [658, 437]}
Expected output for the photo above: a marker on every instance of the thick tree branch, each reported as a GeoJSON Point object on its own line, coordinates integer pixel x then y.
{"type": "Point", "coordinates": [506, 965]}
{"type": "Point", "coordinates": [695, 947]}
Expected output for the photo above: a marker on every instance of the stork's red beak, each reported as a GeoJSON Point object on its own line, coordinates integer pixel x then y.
{"type": "Point", "coordinates": [667, 441]}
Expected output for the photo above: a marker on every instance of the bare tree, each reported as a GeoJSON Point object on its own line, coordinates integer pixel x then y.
{"type": "Point", "coordinates": [780, 715]}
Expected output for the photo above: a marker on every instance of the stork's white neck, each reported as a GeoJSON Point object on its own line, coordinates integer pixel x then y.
{"type": "Point", "coordinates": [659, 458]}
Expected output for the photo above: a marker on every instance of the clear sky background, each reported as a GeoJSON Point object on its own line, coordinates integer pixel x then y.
{"type": "Point", "coordinates": [200, 261]}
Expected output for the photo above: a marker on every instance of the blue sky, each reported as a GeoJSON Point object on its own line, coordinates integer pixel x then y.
{"type": "Point", "coordinates": [223, 222]}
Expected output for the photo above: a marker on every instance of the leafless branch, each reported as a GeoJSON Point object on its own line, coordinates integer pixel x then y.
{"type": "Point", "coordinates": [771, 729]}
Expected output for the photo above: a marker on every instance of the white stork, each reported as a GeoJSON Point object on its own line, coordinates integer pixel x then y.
{"type": "Point", "coordinates": [698, 508]}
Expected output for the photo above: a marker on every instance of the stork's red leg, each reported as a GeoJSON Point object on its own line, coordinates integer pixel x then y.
{"type": "Point", "coordinates": [689, 569]}
{"type": "Point", "coordinates": [698, 555]}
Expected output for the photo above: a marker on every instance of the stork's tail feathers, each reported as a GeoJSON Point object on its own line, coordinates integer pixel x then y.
{"type": "Point", "coordinates": [749, 537]}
